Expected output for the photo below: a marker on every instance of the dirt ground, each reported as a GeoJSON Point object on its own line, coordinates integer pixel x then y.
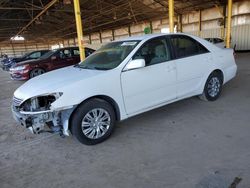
{"type": "Point", "coordinates": [188, 144]}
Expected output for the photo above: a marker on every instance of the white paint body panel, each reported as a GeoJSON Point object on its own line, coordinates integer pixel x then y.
{"type": "Point", "coordinates": [220, 45]}
{"type": "Point", "coordinates": [190, 73]}
{"type": "Point", "coordinates": [154, 84]}
{"type": "Point", "coordinates": [134, 91]}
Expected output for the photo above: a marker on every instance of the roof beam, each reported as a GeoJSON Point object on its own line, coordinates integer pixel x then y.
{"type": "Point", "coordinates": [38, 15]}
{"type": "Point", "coordinates": [18, 8]}
{"type": "Point", "coordinates": [14, 19]}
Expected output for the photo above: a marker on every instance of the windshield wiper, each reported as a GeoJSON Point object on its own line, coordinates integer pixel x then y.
{"type": "Point", "coordinates": [79, 66]}
{"type": "Point", "coordinates": [101, 68]}
{"type": "Point", "coordinates": [93, 68]}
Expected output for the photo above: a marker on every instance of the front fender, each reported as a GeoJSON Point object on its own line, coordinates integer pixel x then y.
{"type": "Point", "coordinates": [78, 92]}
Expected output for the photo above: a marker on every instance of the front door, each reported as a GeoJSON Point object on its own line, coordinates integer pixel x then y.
{"type": "Point", "coordinates": [63, 58]}
{"type": "Point", "coordinates": [154, 84]}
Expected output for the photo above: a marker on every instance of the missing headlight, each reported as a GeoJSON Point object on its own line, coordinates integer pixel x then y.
{"type": "Point", "coordinates": [40, 103]}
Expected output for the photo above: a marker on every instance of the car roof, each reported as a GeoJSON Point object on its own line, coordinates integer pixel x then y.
{"type": "Point", "coordinates": [38, 51]}
{"type": "Point", "coordinates": [75, 47]}
{"type": "Point", "coordinates": [142, 37]}
{"type": "Point", "coordinates": [146, 37]}
{"type": "Point", "coordinates": [150, 36]}
{"type": "Point", "coordinates": [67, 48]}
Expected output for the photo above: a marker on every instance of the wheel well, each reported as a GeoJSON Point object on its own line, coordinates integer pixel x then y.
{"type": "Point", "coordinates": [218, 71]}
{"type": "Point", "coordinates": [36, 68]}
{"type": "Point", "coordinates": [111, 102]}
{"type": "Point", "coordinates": [105, 98]}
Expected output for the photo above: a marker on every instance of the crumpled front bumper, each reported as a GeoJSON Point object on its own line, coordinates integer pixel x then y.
{"type": "Point", "coordinates": [35, 122]}
{"type": "Point", "coordinates": [44, 121]}
{"type": "Point", "coordinates": [19, 75]}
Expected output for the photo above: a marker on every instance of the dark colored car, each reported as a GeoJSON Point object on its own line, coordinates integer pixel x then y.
{"type": "Point", "coordinates": [8, 63]}
{"type": "Point", "coordinates": [3, 60]}
{"type": "Point", "coordinates": [52, 60]}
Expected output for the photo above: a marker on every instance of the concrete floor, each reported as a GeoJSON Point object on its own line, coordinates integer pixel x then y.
{"type": "Point", "coordinates": [187, 144]}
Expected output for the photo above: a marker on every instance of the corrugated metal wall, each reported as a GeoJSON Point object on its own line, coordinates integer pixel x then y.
{"type": "Point", "coordinates": [211, 27]}
{"type": "Point", "coordinates": [19, 49]}
{"type": "Point", "coordinates": [241, 37]}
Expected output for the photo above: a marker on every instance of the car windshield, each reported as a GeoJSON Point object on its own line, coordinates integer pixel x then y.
{"type": "Point", "coordinates": [208, 39]}
{"type": "Point", "coordinates": [26, 55]}
{"type": "Point", "coordinates": [109, 56]}
{"type": "Point", "coordinates": [48, 54]}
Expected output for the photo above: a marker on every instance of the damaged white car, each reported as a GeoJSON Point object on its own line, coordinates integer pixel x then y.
{"type": "Point", "coordinates": [120, 80]}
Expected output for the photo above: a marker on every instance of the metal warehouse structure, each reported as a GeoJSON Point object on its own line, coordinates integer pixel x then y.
{"type": "Point", "coordinates": [48, 22]}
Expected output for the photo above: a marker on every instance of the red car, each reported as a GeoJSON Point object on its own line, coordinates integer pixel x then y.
{"type": "Point", "coordinates": [52, 60]}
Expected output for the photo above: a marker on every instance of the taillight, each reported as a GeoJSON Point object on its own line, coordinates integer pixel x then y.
{"type": "Point", "coordinates": [234, 53]}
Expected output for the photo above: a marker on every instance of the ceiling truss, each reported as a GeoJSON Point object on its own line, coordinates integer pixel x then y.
{"type": "Point", "coordinates": [35, 21]}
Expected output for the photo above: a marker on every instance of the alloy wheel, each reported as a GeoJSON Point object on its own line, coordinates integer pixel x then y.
{"type": "Point", "coordinates": [36, 72]}
{"type": "Point", "coordinates": [96, 123]}
{"type": "Point", "coordinates": [214, 86]}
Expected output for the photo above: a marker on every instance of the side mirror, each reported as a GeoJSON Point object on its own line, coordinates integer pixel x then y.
{"type": "Point", "coordinates": [135, 64]}
{"type": "Point", "coordinates": [53, 58]}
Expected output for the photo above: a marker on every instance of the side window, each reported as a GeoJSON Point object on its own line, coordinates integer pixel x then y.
{"type": "Point", "coordinates": [153, 52]}
{"type": "Point", "coordinates": [64, 53]}
{"type": "Point", "coordinates": [88, 52]}
{"type": "Point", "coordinates": [217, 40]}
{"type": "Point", "coordinates": [186, 46]}
{"type": "Point", "coordinates": [76, 52]}
{"type": "Point", "coordinates": [44, 52]}
{"type": "Point", "coordinates": [35, 55]}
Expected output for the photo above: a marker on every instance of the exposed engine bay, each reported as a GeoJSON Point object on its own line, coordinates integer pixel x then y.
{"type": "Point", "coordinates": [41, 103]}
{"type": "Point", "coordinates": [36, 114]}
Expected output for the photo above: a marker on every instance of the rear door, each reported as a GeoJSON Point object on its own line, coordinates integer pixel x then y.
{"type": "Point", "coordinates": [193, 61]}
{"type": "Point", "coordinates": [75, 55]}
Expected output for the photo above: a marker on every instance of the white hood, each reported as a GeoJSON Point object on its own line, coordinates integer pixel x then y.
{"type": "Point", "coordinates": [54, 81]}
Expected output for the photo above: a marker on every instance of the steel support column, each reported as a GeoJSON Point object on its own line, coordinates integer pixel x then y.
{"type": "Point", "coordinates": [79, 28]}
{"type": "Point", "coordinates": [200, 20]}
{"type": "Point", "coordinates": [171, 15]}
{"type": "Point", "coordinates": [229, 23]}
{"type": "Point", "coordinates": [179, 28]}
{"type": "Point", "coordinates": [224, 22]}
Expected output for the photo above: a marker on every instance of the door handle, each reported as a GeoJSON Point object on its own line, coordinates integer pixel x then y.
{"type": "Point", "coordinates": [171, 68]}
{"type": "Point", "coordinates": [209, 58]}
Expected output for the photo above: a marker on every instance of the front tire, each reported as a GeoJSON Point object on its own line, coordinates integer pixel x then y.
{"type": "Point", "coordinates": [36, 72]}
{"type": "Point", "coordinates": [93, 122]}
{"type": "Point", "coordinates": [213, 87]}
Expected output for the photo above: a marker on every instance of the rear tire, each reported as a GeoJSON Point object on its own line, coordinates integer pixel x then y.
{"type": "Point", "coordinates": [93, 122]}
{"type": "Point", "coordinates": [213, 87]}
{"type": "Point", "coordinates": [36, 72]}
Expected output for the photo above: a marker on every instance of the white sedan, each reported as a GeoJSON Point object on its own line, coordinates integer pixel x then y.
{"type": "Point", "coordinates": [120, 80]}
{"type": "Point", "coordinates": [217, 42]}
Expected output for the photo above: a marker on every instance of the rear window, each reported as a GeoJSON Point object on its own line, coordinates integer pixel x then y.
{"type": "Point", "coordinates": [186, 46]}
{"type": "Point", "coordinates": [217, 40]}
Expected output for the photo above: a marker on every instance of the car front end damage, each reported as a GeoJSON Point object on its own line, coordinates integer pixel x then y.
{"type": "Point", "coordinates": [37, 114]}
